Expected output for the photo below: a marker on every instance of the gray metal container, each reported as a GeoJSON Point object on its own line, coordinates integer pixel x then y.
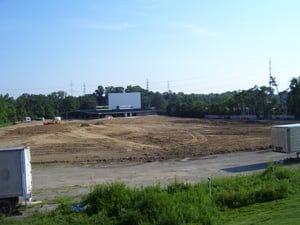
{"type": "Point", "coordinates": [286, 138]}
{"type": "Point", "coordinates": [15, 173]}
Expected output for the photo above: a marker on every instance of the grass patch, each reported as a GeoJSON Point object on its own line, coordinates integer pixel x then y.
{"type": "Point", "coordinates": [5, 124]}
{"type": "Point", "coordinates": [279, 212]}
{"type": "Point", "coordinates": [276, 182]}
{"type": "Point", "coordinates": [270, 197]}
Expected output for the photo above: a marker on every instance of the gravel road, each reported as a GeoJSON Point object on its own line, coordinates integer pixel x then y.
{"type": "Point", "coordinates": [57, 180]}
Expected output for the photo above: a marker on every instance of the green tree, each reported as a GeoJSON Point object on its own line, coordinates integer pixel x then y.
{"type": "Point", "coordinates": [7, 109]}
{"type": "Point", "coordinates": [87, 101]}
{"type": "Point", "coordinates": [112, 89]}
{"type": "Point", "coordinates": [293, 101]}
{"type": "Point", "coordinates": [158, 101]}
{"type": "Point", "coordinates": [36, 106]}
{"type": "Point", "coordinates": [257, 101]}
{"type": "Point", "coordinates": [69, 103]}
{"type": "Point", "coordinates": [56, 101]}
{"type": "Point", "coordinates": [136, 88]}
{"type": "Point", "coordinates": [21, 106]}
{"type": "Point", "coordinates": [100, 96]}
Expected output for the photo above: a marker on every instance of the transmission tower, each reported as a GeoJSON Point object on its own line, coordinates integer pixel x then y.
{"type": "Point", "coordinates": [71, 88]}
{"type": "Point", "coordinates": [147, 85]}
{"type": "Point", "coordinates": [84, 89]}
{"type": "Point", "coordinates": [272, 79]}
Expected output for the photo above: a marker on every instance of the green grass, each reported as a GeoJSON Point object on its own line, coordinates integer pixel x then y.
{"type": "Point", "coordinates": [270, 197]}
{"type": "Point", "coordinates": [5, 124]}
{"type": "Point", "coordinates": [279, 212]}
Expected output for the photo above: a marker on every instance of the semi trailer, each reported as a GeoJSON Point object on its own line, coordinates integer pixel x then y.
{"type": "Point", "coordinates": [15, 178]}
{"type": "Point", "coordinates": [286, 138]}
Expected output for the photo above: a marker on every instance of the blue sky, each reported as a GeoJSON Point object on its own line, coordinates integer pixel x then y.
{"type": "Point", "coordinates": [196, 46]}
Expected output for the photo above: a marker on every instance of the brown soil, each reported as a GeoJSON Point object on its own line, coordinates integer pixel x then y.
{"type": "Point", "coordinates": [145, 139]}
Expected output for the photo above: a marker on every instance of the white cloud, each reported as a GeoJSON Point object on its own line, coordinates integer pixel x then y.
{"type": "Point", "coordinates": [200, 30]}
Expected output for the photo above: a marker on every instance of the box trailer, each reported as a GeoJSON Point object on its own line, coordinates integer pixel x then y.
{"type": "Point", "coordinates": [286, 138]}
{"type": "Point", "coordinates": [15, 177]}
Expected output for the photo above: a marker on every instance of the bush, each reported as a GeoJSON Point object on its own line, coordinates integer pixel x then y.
{"type": "Point", "coordinates": [177, 203]}
{"type": "Point", "coordinates": [274, 183]}
{"type": "Point", "coordinates": [110, 199]}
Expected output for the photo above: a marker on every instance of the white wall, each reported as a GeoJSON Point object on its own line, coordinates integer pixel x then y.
{"type": "Point", "coordinates": [124, 100]}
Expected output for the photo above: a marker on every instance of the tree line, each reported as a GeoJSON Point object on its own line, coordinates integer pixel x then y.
{"type": "Point", "coordinates": [260, 101]}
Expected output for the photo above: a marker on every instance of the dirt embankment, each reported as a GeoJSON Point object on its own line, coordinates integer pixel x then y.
{"type": "Point", "coordinates": [147, 138]}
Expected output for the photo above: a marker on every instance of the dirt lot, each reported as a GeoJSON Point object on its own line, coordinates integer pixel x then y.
{"type": "Point", "coordinates": [140, 139]}
{"type": "Point", "coordinates": [70, 157]}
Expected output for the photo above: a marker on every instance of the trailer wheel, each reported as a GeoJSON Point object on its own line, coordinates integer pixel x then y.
{"type": "Point", "coordinates": [6, 207]}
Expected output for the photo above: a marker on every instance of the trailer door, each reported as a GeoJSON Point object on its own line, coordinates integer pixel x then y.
{"type": "Point", "coordinates": [27, 175]}
{"type": "Point", "coordinates": [10, 174]}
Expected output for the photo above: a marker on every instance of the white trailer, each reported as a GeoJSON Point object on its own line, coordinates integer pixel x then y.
{"type": "Point", "coordinates": [286, 138]}
{"type": "Point", "coordinates": [15, 177]}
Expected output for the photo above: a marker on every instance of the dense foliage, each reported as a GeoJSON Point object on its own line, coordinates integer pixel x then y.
{"type": "Point", "coordinates": [177, 203]}
{"type": "Point", "coordinates": [259, 101]}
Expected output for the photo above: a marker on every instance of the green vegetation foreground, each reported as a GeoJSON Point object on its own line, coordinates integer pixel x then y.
{"type": "Point", "coordinates": [269, 197]}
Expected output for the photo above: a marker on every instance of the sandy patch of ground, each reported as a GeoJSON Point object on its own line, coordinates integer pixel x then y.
{"type": "Point", "coordinates": [141, 139]}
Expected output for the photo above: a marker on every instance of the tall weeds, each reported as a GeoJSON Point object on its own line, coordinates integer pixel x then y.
{"type": "Point", "coordinates": [275, 182]}
{"type": "Point", "coordinates": [177, 203]}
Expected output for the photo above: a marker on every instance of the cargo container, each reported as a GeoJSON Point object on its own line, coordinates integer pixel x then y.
{"type": "Point", "coordinates": [15, 177]}
{"type": "Point", "coordinates": [286, 138]}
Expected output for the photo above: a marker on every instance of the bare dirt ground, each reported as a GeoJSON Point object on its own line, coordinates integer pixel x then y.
{"type": "Point", "coordinates": [69, 158]}
{"type": "Point", "coordinates": [141, 139]}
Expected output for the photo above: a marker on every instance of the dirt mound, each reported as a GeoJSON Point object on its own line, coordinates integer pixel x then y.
{"type": "Point", "coordinates": [39, 129]}
{"type": "Point", "coordinates": [85, 125]}
{"type": "Point", "coordinates": [140, 139]}
{"type": "Point", "coordinates": [99, 123]}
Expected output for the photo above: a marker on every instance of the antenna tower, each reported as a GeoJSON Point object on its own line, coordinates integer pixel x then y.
{"type": "Point", "coordinates": [272, 79]}
{"type": "Point", "coordinates": [84, 90]}
{"type": "Point", "coordinates": [71, 88]}
{"type": "Point", "coordinates": [147, 85]}
{"type": "Point", "coordinates": [270, 73]}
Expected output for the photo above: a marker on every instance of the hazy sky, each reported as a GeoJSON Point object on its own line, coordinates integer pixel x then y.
{"type": "Point", "coordinates": [199, 46]}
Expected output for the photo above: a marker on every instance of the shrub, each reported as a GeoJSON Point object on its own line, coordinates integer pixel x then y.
{"type": "Point", "coordinates": [274, 183]}
{"type": "Point", "coordinates": [177, 203]}
{"type": "Point", "coordinates": [109, 199]}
